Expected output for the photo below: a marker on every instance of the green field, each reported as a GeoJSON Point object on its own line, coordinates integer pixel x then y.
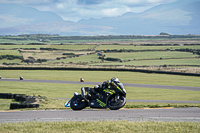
{"type": "Point", "coordinates": [21, 46]}
{"type": "Point", "coordinates": [133, 58]}
{"type": "Point", "coordinates": [136, 47]}
{"type": "Point", "coordinates": [10, 61]}
{"type": "Point", "coordinates": [100, 76]}
{"type": "Point", "coordinates": [152, 63]}
{"type": "Point", "coordinates": [9, 52]}
{"type": "Point", "coordinates": [72, 47]}
{"type": "Point", "coordinates": [85, 58]}
{"type": "Point", "coordinates": [149, 55]}
{"type": "Point", "coordinates": [17, 41]}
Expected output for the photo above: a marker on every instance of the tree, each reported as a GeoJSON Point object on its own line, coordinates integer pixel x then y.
{"type": "Point", "coordinates": [164, 33]}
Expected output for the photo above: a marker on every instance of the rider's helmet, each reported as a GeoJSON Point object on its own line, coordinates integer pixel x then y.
{"type": "Point", "coordinates": [115, 80]}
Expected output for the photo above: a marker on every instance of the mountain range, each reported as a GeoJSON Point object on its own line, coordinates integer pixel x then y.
{"type": "Point", "coordinates": [180, 17]}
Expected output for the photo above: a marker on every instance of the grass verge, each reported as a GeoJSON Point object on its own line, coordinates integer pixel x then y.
{"type": "Point", "coordinates": [59, 104]}
{"type": "Point", "coordinates": [101, 127]}
{"type": "Point", "coordinates": [160, 105]}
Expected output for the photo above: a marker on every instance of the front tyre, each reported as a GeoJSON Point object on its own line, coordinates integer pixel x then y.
{"type": "Point", "coordinates": [78, 103]}
{"type": "Point", "coordinates": [116, 103]}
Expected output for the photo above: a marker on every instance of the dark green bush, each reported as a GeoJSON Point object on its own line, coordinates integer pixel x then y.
{"type": "Point", "coordinates": [10, 57]}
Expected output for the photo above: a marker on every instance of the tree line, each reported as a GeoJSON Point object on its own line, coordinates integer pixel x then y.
{"type": "Point", "coordinates": [57, 37]}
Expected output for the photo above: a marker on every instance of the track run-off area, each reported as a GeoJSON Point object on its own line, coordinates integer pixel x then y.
{"type": "Point", "coordinates": [125, 84]}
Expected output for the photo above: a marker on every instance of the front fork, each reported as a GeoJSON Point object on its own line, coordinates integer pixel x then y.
{"type": "Point", "coordinates": [83, 93]}
{"type": "Point", "coordinates": [117, 97]}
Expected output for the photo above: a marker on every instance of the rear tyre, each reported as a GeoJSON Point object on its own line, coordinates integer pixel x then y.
{"type": "Point", "coordinates": [115, 104]}
{"type": "Point", "coordinates": [78, 103]}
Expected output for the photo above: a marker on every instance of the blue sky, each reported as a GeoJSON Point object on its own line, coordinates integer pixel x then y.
{"type": "Point", "coordinates": [75, 10]}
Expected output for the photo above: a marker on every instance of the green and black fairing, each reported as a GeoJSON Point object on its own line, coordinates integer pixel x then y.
{"type": "Point", "coordinates": [112, 97]}
{"type": "Point", "coordinates": [99, 100]}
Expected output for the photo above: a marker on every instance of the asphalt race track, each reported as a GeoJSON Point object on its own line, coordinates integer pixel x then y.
{"type": "Point", "coordinates": [173, 114]}
{"type": "Point", "coordinates": [163, 114]}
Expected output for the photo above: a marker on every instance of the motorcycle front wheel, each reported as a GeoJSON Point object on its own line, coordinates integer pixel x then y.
{"type": "Point", "coordinates": [78, 103]}
{"type": "Point", "coordinates": [115, 104]}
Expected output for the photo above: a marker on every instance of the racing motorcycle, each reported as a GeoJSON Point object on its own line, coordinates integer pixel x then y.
{"type": "Point", "coordinates": [113, 99]}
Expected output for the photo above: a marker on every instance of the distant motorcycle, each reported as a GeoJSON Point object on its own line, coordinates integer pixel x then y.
{"type": "Point", "coordinates": [81, 80]}
{"type": "Point", "coordinates": [21, 78]}
{"type": "Point", "coordinates": [113, 99]}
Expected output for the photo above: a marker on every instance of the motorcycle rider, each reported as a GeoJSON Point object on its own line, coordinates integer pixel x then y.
{"type": "Point", "coordinates": [111, 84]}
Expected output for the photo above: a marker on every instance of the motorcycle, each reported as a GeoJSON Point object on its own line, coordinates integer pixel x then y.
{"type": "Point", "coordinates": [113, 99]}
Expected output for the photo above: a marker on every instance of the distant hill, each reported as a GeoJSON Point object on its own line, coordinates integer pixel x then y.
{"type": "Point", "coordinates": [14, 15]}
{"type": "Point", "coordinates": [16, 19]}
{"type": "Point", "coordinates": [61, 28]}
{"type": "Point", "coordinates": [180, 17]}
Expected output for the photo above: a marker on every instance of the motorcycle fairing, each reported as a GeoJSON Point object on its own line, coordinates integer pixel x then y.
{"type": "Point", "coordinates": [67, 104]}
{"type": "Point", "coordinates": [96, 103]}
{"type": "Point", "coordinates": [109, 91]}
{"type": "Point", "coordinates": [100, 100]}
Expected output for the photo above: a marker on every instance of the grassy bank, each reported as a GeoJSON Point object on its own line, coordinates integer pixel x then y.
{"type": "Point", "coordinates": [53, 90]}
{"type": "Point", "coordinates": [101, 127]}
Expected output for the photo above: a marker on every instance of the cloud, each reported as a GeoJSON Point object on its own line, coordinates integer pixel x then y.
{"type": "Point", "coordinates": [90, 2]}
{"type": "Point", "coordinates": [75, 10]}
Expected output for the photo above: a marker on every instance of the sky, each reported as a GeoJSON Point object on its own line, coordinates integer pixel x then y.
{"type": "Point", "coordinates": [75, 10]}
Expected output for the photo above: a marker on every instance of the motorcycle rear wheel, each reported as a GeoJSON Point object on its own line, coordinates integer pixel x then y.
{"type": "Point", "coordinates": [115, 105]}
{"type": "Point", "coordinates": [78, 103]}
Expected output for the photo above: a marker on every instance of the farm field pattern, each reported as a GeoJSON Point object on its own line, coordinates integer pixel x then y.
{"type": "Point", "coordinates": [175, 53]}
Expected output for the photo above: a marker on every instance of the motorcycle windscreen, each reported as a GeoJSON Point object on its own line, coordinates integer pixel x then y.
{"type": "Point", "coordinates": [121, 87]}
